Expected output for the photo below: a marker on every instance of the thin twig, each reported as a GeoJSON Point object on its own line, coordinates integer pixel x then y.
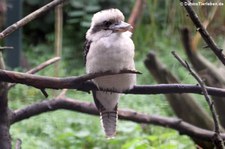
{"type": "Point", "coordinates": [62, 93]}
{"type": "Point", "coordinates": [44, 93]}
{"type": "Point", "coordinates": [6, 47]}
{"type": "Point", "coordinates": [208, 99]}
{"type": "Point", "coordinates": [29, 18]}
{"type": "Point", "coordinates": [43, 65]}
{"type": "Point", "coordinates": [38, 68]}
{"type": "Point", "coordinates": [204, 33]}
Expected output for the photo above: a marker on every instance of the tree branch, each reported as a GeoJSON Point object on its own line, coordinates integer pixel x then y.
{"type": "Point", "coordinates": [204, 33]}
{"type": "Point", "coordinates": [136, 12]}
{"type": "Point", "coordinates": [79, 83]}
{"type": "Point", "coordinates": [42, 82]}
{"type": "Point", "coordinates": [180, 103]}
{"type": "Point", "coordinates": [29, 18]}
{"type": "Point", "coordinates": [6, 47]}
{"type": "Point", "coordinates": [218, 140]}
{"type": "Point", "coordinates": [43, 65]}
{"type": "Point", "coordinates": [89, 108]}
{"type": "Point", "coordinates": [206, 70]}
{"type": "Point", "coordinates": [5, 141]}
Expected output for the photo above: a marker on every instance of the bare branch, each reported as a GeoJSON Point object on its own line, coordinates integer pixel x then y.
{"type": "Point", "coordinates": [81, 84]}
{"type": "Point", "coordinates": [136, 12]}
{"type": "Point", "coordinates": [218, 139]}
{"type": "Point", "coordinates": [43, 65]}
{"type": "Point", "coordinates": [160, 89]}
{"type": "Point", "coordinates": [180, 103]}
{"type": "Point", "coordinates": [89, 108]}
{"type": "Point", "coordinates": [207, 71]}
{"type": "Point", "coordinates": [204, 33]}
{"type": "Point", "coordinates": [205, 23]}
{"type": "Point", "coordinates": [6, 47]}
{"type": "Point", "coordinates": [5, 141]}
{"type": "Point", "coordinates": [29, 18]}
{"type": "Point", "coordinates": [42, 82]}
{"type": "Point", "coordinates": [62, 93]}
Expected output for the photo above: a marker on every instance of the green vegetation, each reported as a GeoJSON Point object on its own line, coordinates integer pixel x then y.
{"type": "Point", "coordinates": [158, 31]}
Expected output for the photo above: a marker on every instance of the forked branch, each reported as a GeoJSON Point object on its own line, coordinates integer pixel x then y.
{"type": "Point", "coordinates": [204, 33]}
{"type": "Point", "coordinates": [217, 138]}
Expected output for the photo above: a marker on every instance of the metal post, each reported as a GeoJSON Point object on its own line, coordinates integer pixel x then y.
{"type": "Point", "coordinates": [14, 13]}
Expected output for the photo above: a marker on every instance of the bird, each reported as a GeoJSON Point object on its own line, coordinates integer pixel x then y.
{"type": "Point", "coordinates": [109, 47]}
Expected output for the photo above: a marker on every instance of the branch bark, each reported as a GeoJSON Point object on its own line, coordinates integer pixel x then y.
{"type": "Point", "coordinates": [204, 33]}
{"type": "Point", "coordinates": [42, 82]}
{"type": "Point", "coordinates": [5, 142]}
{"type": "Point", "coordinates": [81, 83]}
{"type": "Point", "coordinates": [136, 12]}
{"type": "Point", "coordinates": [89, 108]}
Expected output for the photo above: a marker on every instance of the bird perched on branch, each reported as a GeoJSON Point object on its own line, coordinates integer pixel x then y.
{"type": "Point", "coordinates": [108, 47]}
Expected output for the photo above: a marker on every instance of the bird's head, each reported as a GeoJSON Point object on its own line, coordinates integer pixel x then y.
{"type": "Point", "coordinates": [108, 21]}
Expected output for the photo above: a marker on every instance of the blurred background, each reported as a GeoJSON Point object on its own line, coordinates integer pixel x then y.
{"type": "Point", "coordinates": [158, 29]}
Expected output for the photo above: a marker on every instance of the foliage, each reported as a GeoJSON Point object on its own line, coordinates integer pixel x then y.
{"type": "Point", "coordinates": [157, 30]}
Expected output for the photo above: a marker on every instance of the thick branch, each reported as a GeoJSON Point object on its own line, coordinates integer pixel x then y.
{"type": "Point", "coordinates": [42, 82]}
{"type": "Point", "coordinates": [89, 108]}
{"type": "Point", "coordinates": [204, 33]}
{"type": "Point", "coordinates": [29, 18]}
{"type": "Point", "coordinates": [78, 83]}
{"type": "Point", "coordinates": [5, 142]}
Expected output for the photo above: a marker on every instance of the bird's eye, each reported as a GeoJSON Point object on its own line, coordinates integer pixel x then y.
{"type": "Point", "coordinates": [107, 23]}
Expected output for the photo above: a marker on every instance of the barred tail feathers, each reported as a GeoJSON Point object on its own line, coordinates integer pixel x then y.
{"type": "Point", "coordinates": [106, 103]}
{"type": "Point", "coordinates": [108, 121]}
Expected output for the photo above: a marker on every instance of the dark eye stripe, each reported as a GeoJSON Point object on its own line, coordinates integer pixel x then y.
{"type": "Point", "coordinates": [103, 26]}
{"type": "Point", "coordinates": [107, 23]}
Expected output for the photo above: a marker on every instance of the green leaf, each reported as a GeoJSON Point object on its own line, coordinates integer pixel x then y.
{"type": "Point", "coordinates": [76, 4]}
{"type": "Point", "coordinates": [86, 24]}
{"type": "Point", "coordinates": [82, 134]}
{"type": "Point", "coordinates": [76, 13]}
{"type": "Point", "coordinates": [92, 8]}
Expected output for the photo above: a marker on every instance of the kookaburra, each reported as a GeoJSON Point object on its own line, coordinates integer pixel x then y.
{"type": "Point", "coordinates": [109, 47]}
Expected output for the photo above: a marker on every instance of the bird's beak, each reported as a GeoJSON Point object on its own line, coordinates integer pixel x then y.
{"type": "Point", "coordinates": [120, 27]}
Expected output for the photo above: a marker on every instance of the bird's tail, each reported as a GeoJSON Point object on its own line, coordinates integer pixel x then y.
{"type": "Point", "coordinates": [106, 104]}
{"type": "Point", "coordinates": [108, 120]}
